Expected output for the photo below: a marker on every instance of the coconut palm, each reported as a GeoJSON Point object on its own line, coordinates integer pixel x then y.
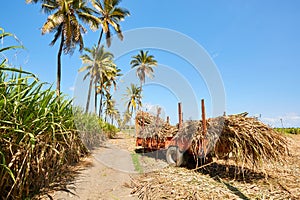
{"type": "Point", "coordinates": [114, 114]}
{"type": "Point", "coordinates": [105, 84]}
{"type": "Point", "coordinates": [64, 22]}
{"type": "Point", "coordinates": [144, 64]}
{"type": "Point", "coordinates": [133, 94]}
{"type": "Point", "coordinates": [98, 64]}
{"type": "Point", "coordinates": [126, 119]}
{"type": "Point", "coordinates": [110, 15]}
{"type": "Point", "coordinates": [110, 109]}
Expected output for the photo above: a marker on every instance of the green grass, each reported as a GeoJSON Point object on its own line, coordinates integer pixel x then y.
{"type": "Point", "coordinates": [137, 166]}
{"type": "Point", "coordinates": [289, 130]}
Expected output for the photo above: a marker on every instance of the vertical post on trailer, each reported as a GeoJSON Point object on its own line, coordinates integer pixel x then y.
{"type": "Point", "coordinates": [156, 132]}
{"type": "Point", "coordinates": [179, 120]}
{"type": "Point", "coordinates": [203, 117]}
{"type": "Point", "coordinates": [204, 128]}
{"type": "Point", "coordinates": [136, 128]}
{"type": "Point", "coordinates": [179, 116]}
{"type": "Point", "coordinates": [157, 124]}
{"type": "Point", "coordinates": [143, 136]}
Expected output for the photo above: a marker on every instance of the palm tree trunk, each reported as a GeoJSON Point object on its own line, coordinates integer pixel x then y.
{"type": "Point", "coordinates": [100, 105]}
{"type": "Point", "coordinates": [99, 41]}
{"type": "Point", "coordinates": [105, 119]}
{"type": "Point", "coordinates": [141, 94]}
{"type": "Point", "coordinates": [95, 106]}
{"type": "Point", "coordinates": [59, 64]}
{"type": "Point", "coordinates": [89, 96]}
{"type": "Point", "coordinates": [131, 118]}
{"type": "Point", "coordinates": [100, 102]}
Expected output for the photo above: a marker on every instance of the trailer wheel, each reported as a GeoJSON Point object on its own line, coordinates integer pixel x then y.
{"type": "Point", "coordinates": [174, 156]}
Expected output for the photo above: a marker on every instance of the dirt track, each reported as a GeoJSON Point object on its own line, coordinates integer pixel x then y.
{"type": "Point", "coordinates": [103, 175]}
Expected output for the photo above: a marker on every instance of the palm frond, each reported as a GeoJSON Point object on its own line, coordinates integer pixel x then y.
{"type": "Point", "coordinates": [90, 19]}
{"type": "Point", "coordinates": [48, 8]}
{"type": "Point", "coordinates": [119, 32]}
{"type": "Point", "coordinates": [57, 34]}
{"type": "Point", "coordinates": [53, 22]}
{"type": "Point", "coordinates": [108, 37]}
{"type": "Point", "coordinates": [120, 13]}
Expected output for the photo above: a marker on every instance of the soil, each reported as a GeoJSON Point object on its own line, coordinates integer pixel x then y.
{"type": "Point", "coordinates": [221, 180]}
{"type": "Point", "coordinates": [105, 174]}
{"type": "Point", "coordinates": [110, 173]}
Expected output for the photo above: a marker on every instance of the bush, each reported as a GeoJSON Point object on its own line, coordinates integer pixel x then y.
{"type": "Point", "coordinates": [89, 128]}
{"type": "Point", "coordinates": [108, 129]}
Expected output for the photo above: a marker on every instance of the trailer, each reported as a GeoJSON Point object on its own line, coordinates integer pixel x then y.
{"type": "Point", "coordinates": [178, 149]}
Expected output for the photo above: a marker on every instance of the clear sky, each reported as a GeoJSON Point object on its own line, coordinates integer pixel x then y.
{"type": "Point", "coordinates": [254, 44]}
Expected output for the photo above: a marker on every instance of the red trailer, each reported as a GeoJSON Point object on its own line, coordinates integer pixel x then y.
{"type": "Point", "coordinates": [177, 149]}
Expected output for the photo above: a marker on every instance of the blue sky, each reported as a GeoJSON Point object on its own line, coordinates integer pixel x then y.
{"type": "Point", "coordinates": [254, 44]}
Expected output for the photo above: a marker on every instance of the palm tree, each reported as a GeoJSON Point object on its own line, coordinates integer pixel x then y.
{"type": "Point", "coordinates": [144, 64]}
{"type": "Point", "coordinates": [133, 94]}
{"type": "Point", "coordinates": [110, 110]}
{"type": "Point", "coordinates": [65, 23]}
{"type": "Point", "coordinates": [98, 63]}
{"type": "Point", "coordinates": [105, 84]}
{"type": "Point", "coordinates": [126, 119]}
{"type": "Point", "coordinates": [110, 16]}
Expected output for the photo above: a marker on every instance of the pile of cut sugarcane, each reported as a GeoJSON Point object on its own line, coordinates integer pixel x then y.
{"type": "Point", "coordinates": [250, 141]}
{"type": "Point", "coordinates": [148, 125]}
{"type": "Point", "coordinates": [244, 139]}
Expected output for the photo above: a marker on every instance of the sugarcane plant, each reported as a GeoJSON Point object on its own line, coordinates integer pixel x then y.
{"type": "Point", "coordinates": [37, 133]}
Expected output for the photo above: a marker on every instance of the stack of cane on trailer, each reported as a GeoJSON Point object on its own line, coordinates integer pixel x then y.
{"type": "Point", "coordinates": [239, 137]}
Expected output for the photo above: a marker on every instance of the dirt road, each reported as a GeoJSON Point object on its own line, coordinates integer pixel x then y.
{"type": "Point", "coordinates": [104, 174]}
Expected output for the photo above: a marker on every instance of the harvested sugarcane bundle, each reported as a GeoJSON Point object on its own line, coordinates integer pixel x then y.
{"type": "Point", "coordinates": [245, 139]}
{"type": "Point", "coordinates": [199, 142]}
{"type": "Point", "coordinates": [168, 130]}
{"type": "Point", "coordinates": [250, 141]}
{"type": "Point", "coordinates": [148, 125]}
{"type": "Point", "coordinates": [144, 118]}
